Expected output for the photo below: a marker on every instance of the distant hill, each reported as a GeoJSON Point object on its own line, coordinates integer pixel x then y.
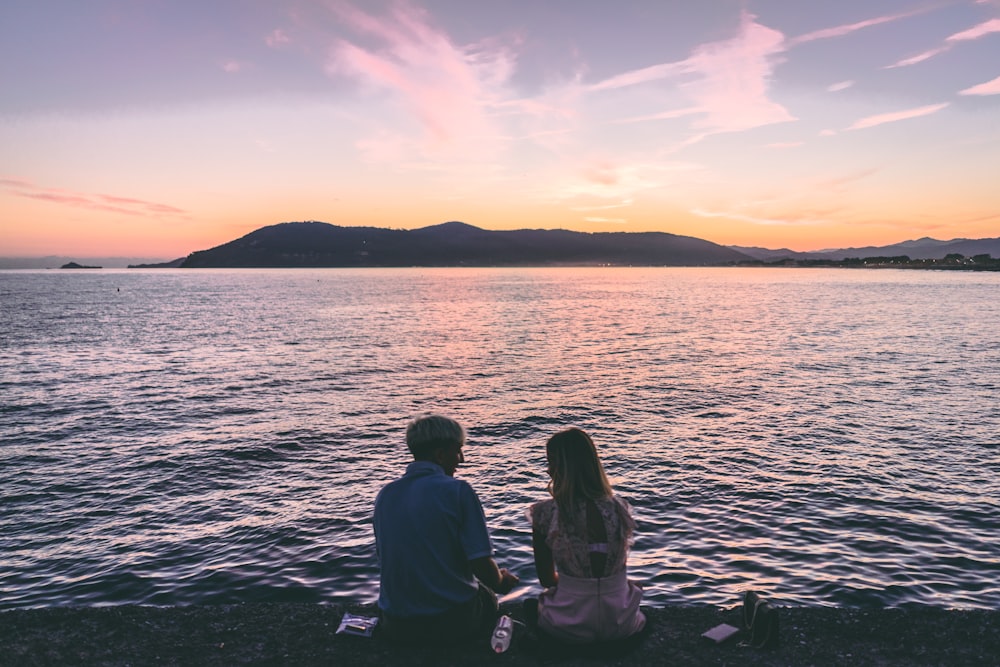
{"type": "Point", "coordinates": [925, 248]}
{"type": "Point", "coordinates": [768, 255]}
{"type": "Point", "coordinates": [172, 264]}
{"type": "Point", "coordinates": [319, 244]}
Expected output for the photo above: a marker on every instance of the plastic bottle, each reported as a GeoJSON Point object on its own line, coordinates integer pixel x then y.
{"type": "Point", "coordinates": [502, 634]}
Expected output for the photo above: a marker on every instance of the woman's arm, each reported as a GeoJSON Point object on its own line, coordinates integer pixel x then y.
{"type": "Point", "coordinates": [544, 564]}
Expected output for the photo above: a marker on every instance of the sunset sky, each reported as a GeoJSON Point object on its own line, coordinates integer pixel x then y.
{"type": "Point", "coordinates": [155, 128]}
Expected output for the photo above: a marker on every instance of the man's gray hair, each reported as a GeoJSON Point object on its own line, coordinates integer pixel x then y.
{"type": "Point", "coordinates": [428, 432]}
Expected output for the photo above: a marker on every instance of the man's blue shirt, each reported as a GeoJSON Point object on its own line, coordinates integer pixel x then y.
{"type": "Point", "coordinates": [428, 526]}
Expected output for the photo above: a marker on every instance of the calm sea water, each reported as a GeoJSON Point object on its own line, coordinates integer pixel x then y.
{"type": "Point", "coordinates": [830, 437]}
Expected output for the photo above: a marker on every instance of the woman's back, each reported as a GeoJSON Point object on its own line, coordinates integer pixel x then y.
{"type": "Point", "coordinates": [591, 543]}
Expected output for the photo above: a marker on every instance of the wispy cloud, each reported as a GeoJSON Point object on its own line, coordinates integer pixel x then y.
{"type": "Point", "coordinates": [277, 38]}
{"type": "Point", "coordinates": [756, 220]}
{"type": "Point", "coordinates": [881, 119]}
{"type": "Point", "coordinates": [644, 75]}
{"type": "Point", "coordinates": [619, 221]}
{"type": "Point", "coordinates": [663, 115]}
{"type": "Point", "coordinates": [977, 31]}
{"type": "Point", "coordinates": [231, 66]}
{"type": "Point", "coordinates": [604, 207]}
{"type": "Point", "coordinates": [919, 58]}
{"type": "Point", "coordinates": [727, 82]}
{"type": "Point", "coordinates": [988, 88]}
{"type": "Point", "coordinates": [604, 184]}
{"type": "Point", "coordinates": [848, 28]}
{"type": "Point", "coordinates": [96, 202]}
{"type": "Point", "coordinates": [983, 218]}
{"type": "Point", "coordinates": [548, 120]}
{"type": "Point", "coordinates": [837, 185]}
{"type": "Point", "coordinates": [448, 88]}
{"type": "Point", "coordinates": [803, 203]}
{"type": "Point", "coordinates": [14, 183]}
{"type": "Point", "coordinates": [973, 33]}
{"type": "Point", "coordinates": [837, 87]}
{"type": "Point", "coordinates": [785, 144]}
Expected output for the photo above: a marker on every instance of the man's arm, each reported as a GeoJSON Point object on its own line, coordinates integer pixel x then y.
{"type": "Point", "coordinates": [486, 570]}
{"type": "Point", "coordinates": [476, 540]}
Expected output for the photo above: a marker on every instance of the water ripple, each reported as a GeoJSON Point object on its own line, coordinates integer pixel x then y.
{"type": "Point", "coordinates": [219, 436]}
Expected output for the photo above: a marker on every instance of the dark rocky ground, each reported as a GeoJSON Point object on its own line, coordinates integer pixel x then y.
{"type": "Point", "coordinates": [304, 634]}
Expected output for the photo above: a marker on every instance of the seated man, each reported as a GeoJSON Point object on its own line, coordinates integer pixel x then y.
{"type": "Point", "coordinates": [437, 574]}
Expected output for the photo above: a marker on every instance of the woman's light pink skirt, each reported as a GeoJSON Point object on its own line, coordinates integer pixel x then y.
{"type": "Point", "coordinates": [588, 610]}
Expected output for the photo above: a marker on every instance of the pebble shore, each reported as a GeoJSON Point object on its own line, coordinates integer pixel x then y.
{"type": "Point", "coordinates": [305, 634]}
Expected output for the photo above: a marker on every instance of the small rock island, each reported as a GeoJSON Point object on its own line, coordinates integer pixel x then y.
{"type": "Point", "coordinates": [74, 265]}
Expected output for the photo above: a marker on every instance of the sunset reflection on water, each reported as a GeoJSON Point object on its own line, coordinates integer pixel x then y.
{"type": "Point", "coordinates": [211, 436]}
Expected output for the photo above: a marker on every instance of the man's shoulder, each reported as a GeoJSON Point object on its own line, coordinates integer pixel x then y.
{"type": "Point", "coordinates": [460, 486]}
{"type": "Point", "coordinates": [436, 482]}
{"type": "Point", "coordinates": [452, 490]}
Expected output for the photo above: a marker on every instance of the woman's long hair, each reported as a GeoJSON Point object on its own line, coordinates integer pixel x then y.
{"type": "Point", "coordinates": [576, 470]}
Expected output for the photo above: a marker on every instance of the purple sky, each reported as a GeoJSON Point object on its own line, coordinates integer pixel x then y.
{"type": "Point", "coordinates": [159, 128]}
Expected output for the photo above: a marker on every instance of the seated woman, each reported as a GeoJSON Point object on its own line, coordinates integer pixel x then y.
{"type": "Point", "coordinates": [581, 539]}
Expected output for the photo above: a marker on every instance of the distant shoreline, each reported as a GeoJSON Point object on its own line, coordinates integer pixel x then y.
{"type": "Point", "coordinates": [986, 263]}
{"type": "Point", "coordinates": [950, 263]}
{"type": "Point", "coordinates": [792, 264]}
{"type": "Point", "coordinates": [865, 263]}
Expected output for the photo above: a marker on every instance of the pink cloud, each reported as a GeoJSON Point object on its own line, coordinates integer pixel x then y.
{"type": "Point", "coordinates": [734, 79]}
{"type": "Point", "coordinates": [450, 89]}
{"type": "Point", "coordinates": [880, 119]}
{"type": "Point", "coordinates": [756, 220]}
{"type": "Point", "coordinates": [727, 82]}
{"type": "Point", "coordinates": [603, 184]}
{"type": "Point", "coordinates": [919, 58]}
{"type": "Point", "coordinates": [619, 221]}
{"type": "Point", "coordinates": [276, 38]}
{"type": "Point", "coordinates": [603, 207]}
{"type": "Point", "coordinates": [67, 199]}
{"type": "Point", "coordinates": [837, 185]}
{"type": "Point", "coordinates": [663, 115]}
{"type": "Point", "coordinates": [837, 87]}
{"type": "Point", "coordinates": [988, 88]}
{"type": "Point", "coordinates": [975, 32]}
{"type": "Point", "coordinates": [550, 120]}
{"type": "Point", "coordinates": [152, 207]}
{"type": "Point", "coordinates": [96, 202]}
{"type": "Point", "coordinates": [841, 30]}
{"type": "Point", "coordinates": [644, 75]}
{"type": "Point", "coordinates": [14, 183]}
{"type": "Point", "coordinates": [800, 202]}
{"type": "Point", "coordinates": [603, 173]}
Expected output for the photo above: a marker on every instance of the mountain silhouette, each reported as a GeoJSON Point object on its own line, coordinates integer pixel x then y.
{"type": "Point", "coordinates": [923, 248]}
{"type": "Point", "coordinates": [320, 244]}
